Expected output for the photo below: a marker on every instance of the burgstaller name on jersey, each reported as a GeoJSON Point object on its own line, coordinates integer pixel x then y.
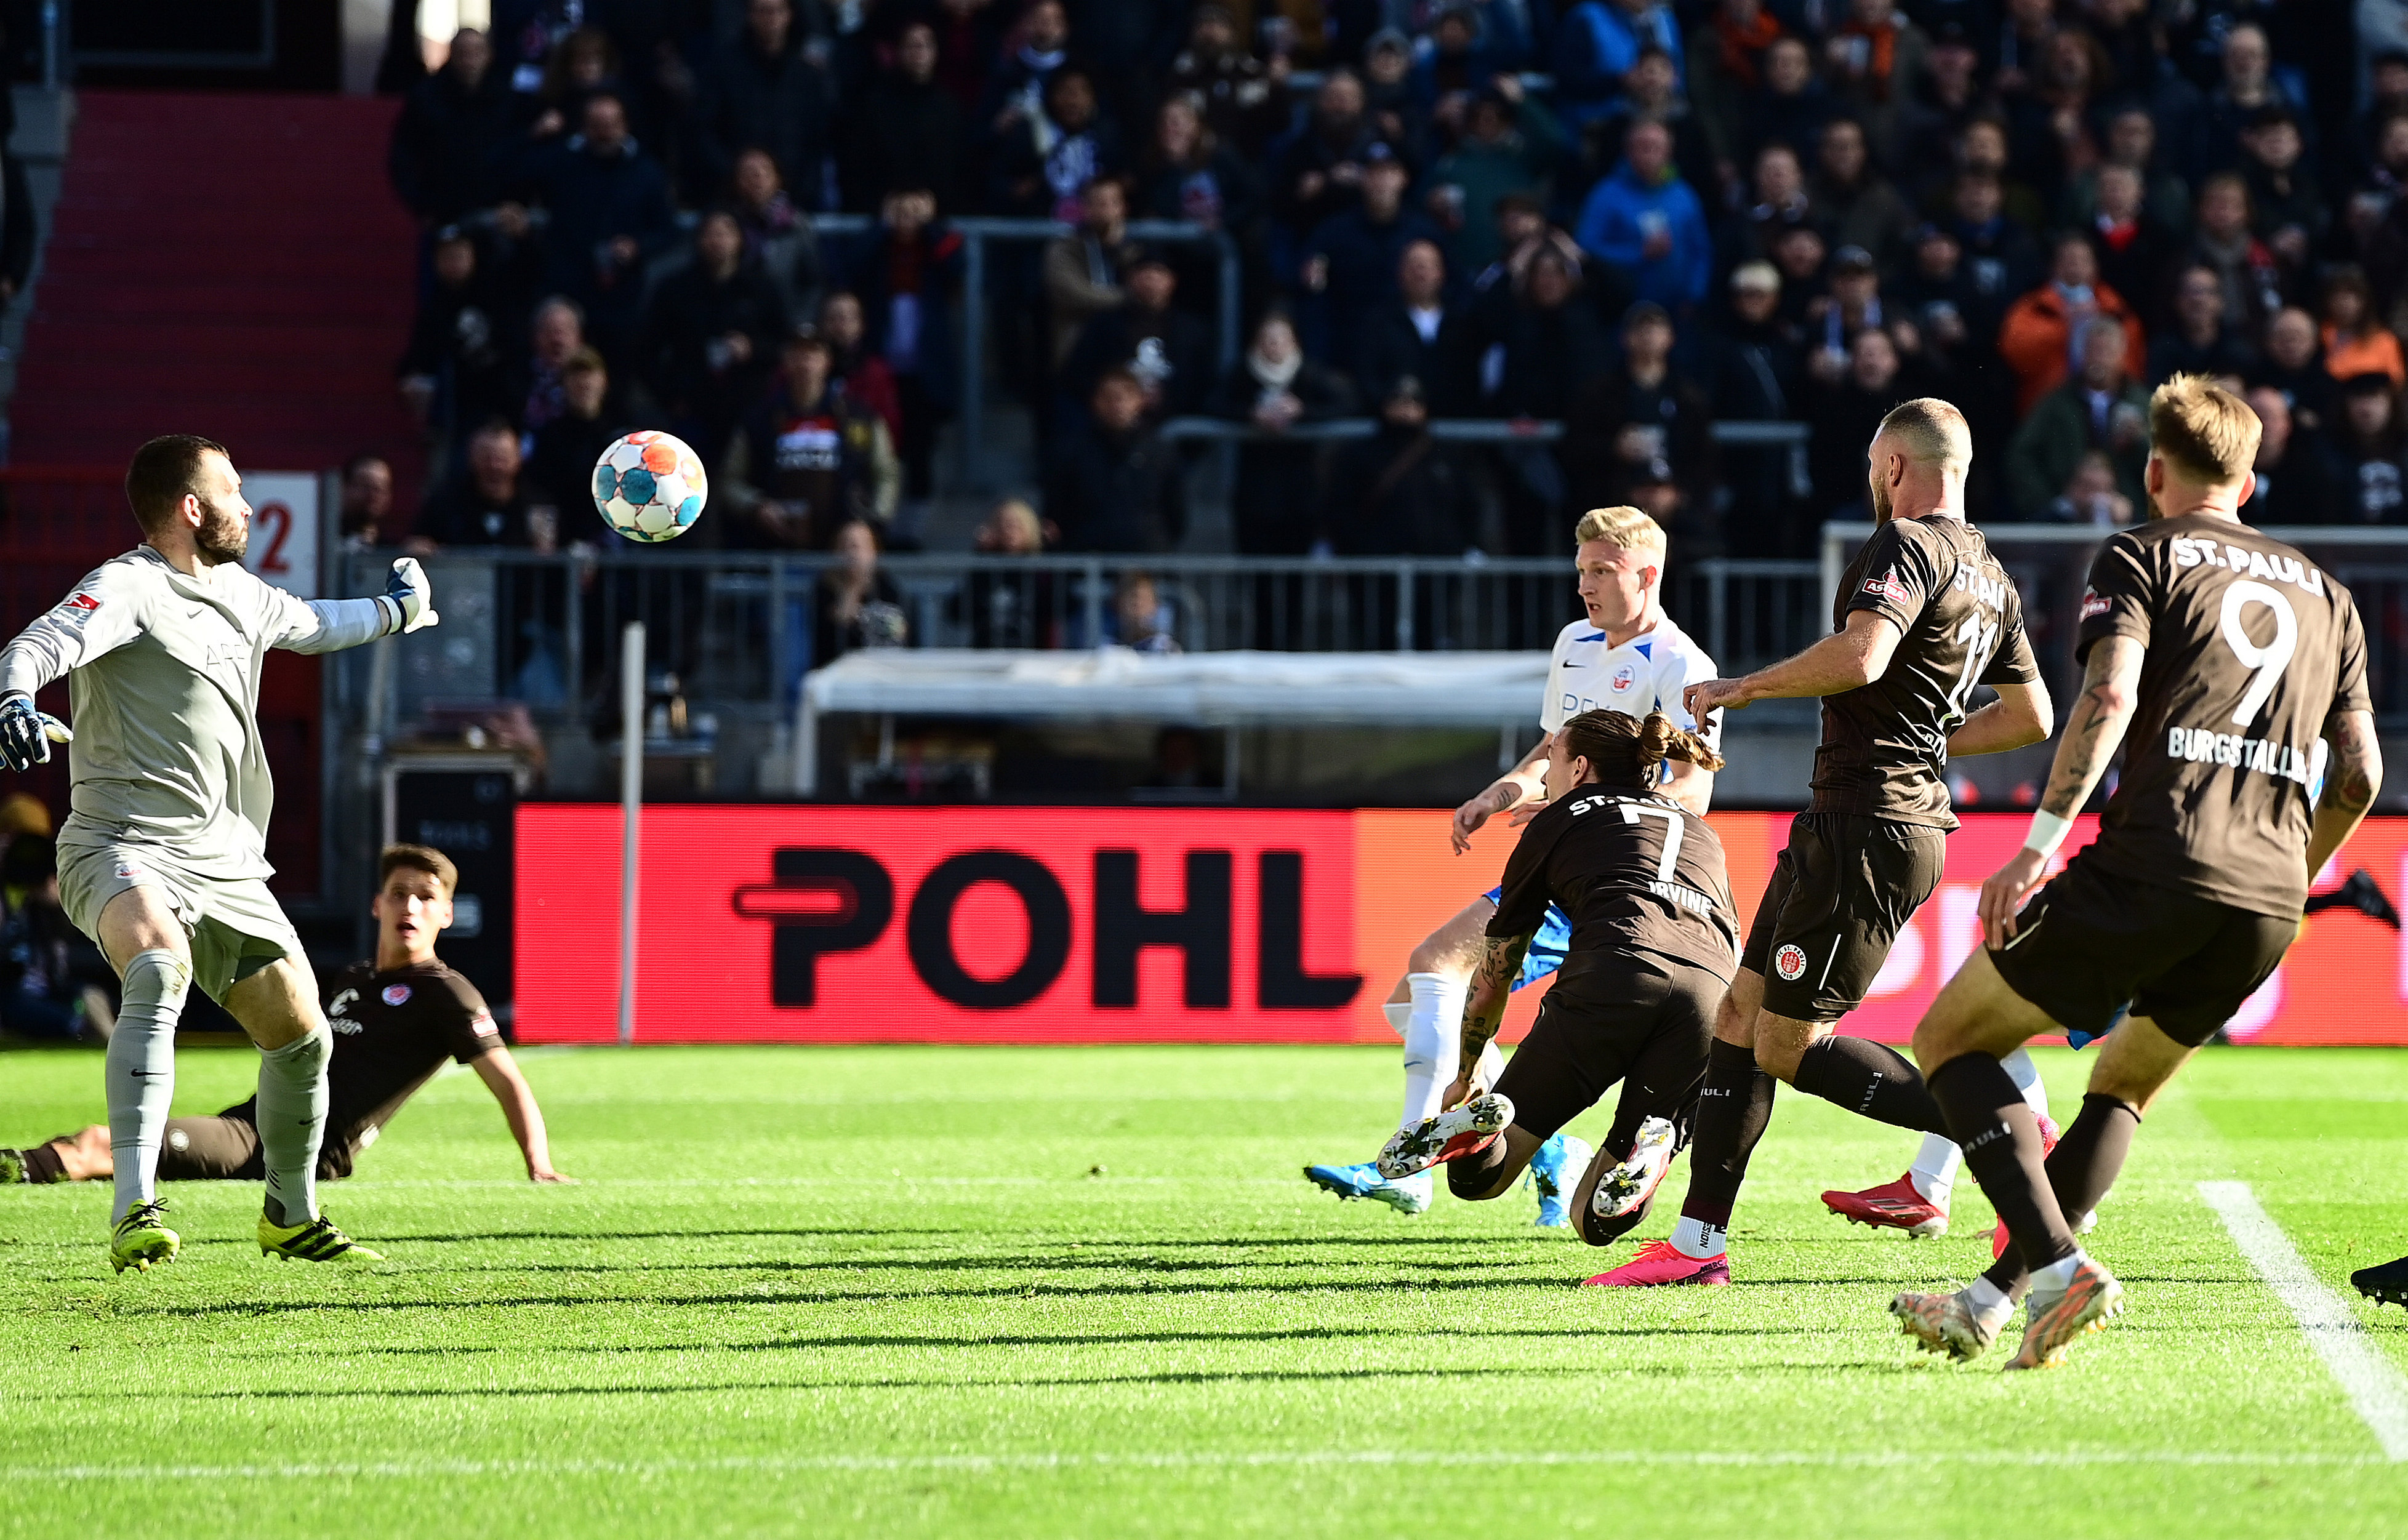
{"type": "Point", "coordinates": [2201, 746]}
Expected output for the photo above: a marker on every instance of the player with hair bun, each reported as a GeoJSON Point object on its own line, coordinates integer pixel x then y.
{"type": "Point", "coordinates": [1654, 943]}
{"type": "Point", "coordinates": [1624, 654]}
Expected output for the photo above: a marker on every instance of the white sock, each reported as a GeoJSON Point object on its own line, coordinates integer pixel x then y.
{"type": "Point", "coordinates": [1492, 1064]}
{"type": "Point", "coordinates": [141, 1072]}
{"type": "Point", "coordinates": [1433, 1042]}
{"type": "Point", "coordinates": [291, 1121]}
{"type": "Point", "coordinates": [2058, 1276]}
{"type": "Point", "coordinates": [1699, 1239]}
{"type": "Point", "coordinates": [1934, 1171]}
{"type": "Point", "coordinates": [1397, 1012]}
{"type": "Point", "coordinates": [2026, 1074]}
{"type": "Point", "coordinates": [1990, 1302]}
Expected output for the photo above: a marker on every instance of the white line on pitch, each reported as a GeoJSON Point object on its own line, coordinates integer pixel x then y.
{"type": "Point", "coordinates": [1204, 1460]}
{"type": "Point", "coordinates": [2376, 1389]}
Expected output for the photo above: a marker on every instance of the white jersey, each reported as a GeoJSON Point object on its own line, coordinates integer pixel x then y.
{"type": "Point", "coordinates": [163, 697]}
{"type": "Point", "coordinates": [1647, 672]}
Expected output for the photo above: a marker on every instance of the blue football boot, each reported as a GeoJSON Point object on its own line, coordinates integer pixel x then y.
{"type": "Point", "coordinates": [1405, 1194]}
{"type": "Point", "coordinates": [1555, 1170]}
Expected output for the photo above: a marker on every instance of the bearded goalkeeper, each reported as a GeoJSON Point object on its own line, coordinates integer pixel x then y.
{"type": "Point", "coordinates": [163, 857]}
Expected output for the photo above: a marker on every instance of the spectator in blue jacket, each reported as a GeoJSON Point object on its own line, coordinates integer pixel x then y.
{"type": "Point", "coordinates": [1645, 221]}
{"type": "Point", "coordinates": [1599, 42]}
{"type": "Point", "coordinates": [610, 214]}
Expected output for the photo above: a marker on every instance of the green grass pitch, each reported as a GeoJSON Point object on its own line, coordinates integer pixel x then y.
{"type": "Point", "coordinates": [1085, 1291]}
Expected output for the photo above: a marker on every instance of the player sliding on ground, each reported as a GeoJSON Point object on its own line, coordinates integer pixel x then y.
{"type": "Point", "coordinates": [162, 859]}
{"type": "Point", "coordinates": [2225, 656]}
{"type": "Point", "coordinates": [395, 1020]}
{"type": "Point", "coordinates": [1625, 655]}
{"type": "Point", "coordinates": [1924, 615]}
{"type": "Point", "coordinates": [1653, 945]}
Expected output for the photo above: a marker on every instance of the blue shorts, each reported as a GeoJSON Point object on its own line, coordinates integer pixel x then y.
{"type": "Point", "coordinates": [1547, 948]}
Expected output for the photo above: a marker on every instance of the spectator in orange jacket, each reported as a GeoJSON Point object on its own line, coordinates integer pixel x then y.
{"type": "Point", "coordinates": [2038, 336]}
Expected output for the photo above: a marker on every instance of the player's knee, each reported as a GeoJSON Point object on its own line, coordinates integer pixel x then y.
{"type": "Point", "coordinates": [308, 1054]}
{"type": "Point", "coordinates": [1600, 1230]}
{"type": "Point", "coordinates": [1473, 1182]}
{"type": "Point", "coordinates": [155, 977]}
{"type": "Point", "coordinates": [1734, 1024]}
{"type": "Point", "coordinates": [1436, 954]}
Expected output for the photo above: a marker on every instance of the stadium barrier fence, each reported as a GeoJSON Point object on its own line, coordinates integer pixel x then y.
{"type": "Point", "coordinates": [798, 923]}
{"type": "Point", "coordinates": [737, 629]}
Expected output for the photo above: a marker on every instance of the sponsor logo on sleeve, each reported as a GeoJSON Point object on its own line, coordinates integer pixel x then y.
{"type": "Point", "coordinates": [396, 994]}
{"type": "Point", "coordinates": [482, 1025]}
{"type": "Point", "coordinates": [1790, 962]}
{"type": "Point", "coordinates": [1891, 587]}
{"type": "Point", "coordinates": [79, 608]}
{"type": "Point", "coordinates": [2092, 605]}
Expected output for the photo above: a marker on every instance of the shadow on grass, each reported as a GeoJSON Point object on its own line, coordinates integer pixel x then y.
{"type": "Point", "coordinates": [1014, 1339]}
{"type": "Point", "coordinates": [1569, 1281]}
{"type": "Point", "coordinates": [1167, 1377]}
{"type": "Point", "coordinates": [661, 1234]}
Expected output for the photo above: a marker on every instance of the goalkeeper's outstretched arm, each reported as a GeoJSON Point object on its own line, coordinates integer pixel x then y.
{"type": "Point", "coordinates": [330, 625]}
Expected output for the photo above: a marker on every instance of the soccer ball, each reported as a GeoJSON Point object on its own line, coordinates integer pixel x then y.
{"type": "Point", "coordinates": [649, 486]}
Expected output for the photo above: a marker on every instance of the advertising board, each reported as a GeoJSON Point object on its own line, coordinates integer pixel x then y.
{"type": "Point", "coordinates": [1050, 924]}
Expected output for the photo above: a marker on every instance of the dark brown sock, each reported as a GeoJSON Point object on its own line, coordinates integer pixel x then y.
{"type": "Point", "coordinates": [43, 1163]}
{"type": "Point", "coordinates": [2081, 1169]}
{"type": "Point", "coordinates": [2001, 1139]}
{"type": "Point", "coordinates": [1870, 1080]}
{"type": "Point", "coordinates": [1470, 1176]}
{"type": "Point", "coordinates": [1733, 1110]}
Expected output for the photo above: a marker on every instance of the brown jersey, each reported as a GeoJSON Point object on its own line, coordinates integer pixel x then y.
{"type": "Point", "coordinates": [1630, 871]}
{"type": "Point", "coordinates": [2252, 653]}
{"type": "Point", "coordinates": [393, 1031]}
{"type": "Point", "coordinates": [1961, 623]}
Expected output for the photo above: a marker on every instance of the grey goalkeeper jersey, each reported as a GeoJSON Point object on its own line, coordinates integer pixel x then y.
{"type": "Point", "coordinates": [164, 699]}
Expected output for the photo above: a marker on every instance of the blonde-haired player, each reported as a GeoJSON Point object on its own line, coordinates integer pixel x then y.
{"type": "Point", "coordinates": [1624, 654]}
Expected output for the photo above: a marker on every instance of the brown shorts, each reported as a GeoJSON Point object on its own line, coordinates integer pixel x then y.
{"type": "Point", "coordinates": [1639, 1019]}
{"type": "Point", "coordinates": [225, 1148]}
{"type": "Point", "coordinates": [2090, 943]}
{"type": "Point", "coordinates": [1840, 894]}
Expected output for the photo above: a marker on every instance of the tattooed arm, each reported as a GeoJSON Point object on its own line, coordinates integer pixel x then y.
{"type": "Point", "coordinates": [2351, 781]}
{"type": "Point", "coordinates": [2094, 730]}
{"type": "Point", "coordinates": [1484, 1009]}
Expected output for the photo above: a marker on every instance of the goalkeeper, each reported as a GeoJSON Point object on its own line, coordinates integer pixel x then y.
{"type": "Point", "coordinates": [162, 859]}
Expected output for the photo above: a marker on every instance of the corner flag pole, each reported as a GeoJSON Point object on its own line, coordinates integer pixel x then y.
{"type": "Point", "coordinates": [631, 814]}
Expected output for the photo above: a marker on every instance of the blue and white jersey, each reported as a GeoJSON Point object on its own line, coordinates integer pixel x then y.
{"type": "Point", "coordinates": [1647, 672]}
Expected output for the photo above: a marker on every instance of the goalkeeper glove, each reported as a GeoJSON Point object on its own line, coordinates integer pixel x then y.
{"type": "Point", "coordinates": [410, 598]}
{"type": "Point", "coordinates": [26, 734]}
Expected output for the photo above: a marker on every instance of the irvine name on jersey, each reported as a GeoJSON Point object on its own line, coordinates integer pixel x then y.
{"type": "Point", "coordinates": [2252, 652]}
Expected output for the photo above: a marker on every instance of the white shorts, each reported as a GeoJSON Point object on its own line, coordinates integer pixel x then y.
{"type": "Point", "coordinates": [235, 927]}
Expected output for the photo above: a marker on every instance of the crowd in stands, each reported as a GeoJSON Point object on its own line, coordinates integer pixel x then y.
{"type": "Point", "coordinates": [1636, 218]}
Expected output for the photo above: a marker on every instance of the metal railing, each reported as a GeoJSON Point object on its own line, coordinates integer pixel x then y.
{"type": "Point", "coordinates": [2051, 565]}
{"type": "Point", "coordinates": [1462, 430]}
{"type": "Point", "coordinates": [739, 630]}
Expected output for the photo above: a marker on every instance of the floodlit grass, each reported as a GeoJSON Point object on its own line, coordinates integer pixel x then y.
{"type": "Point", "coordinates": [1050, 1291]}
